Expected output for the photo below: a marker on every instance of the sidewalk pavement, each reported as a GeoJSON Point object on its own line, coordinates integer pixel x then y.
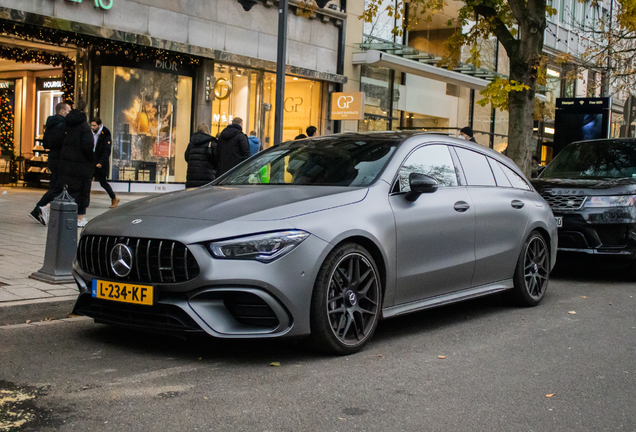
{"type": "Point", "coordinates": [22, 245]}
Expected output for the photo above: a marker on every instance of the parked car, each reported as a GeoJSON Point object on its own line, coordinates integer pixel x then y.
{"type": "Point", "coordinates": [322, 238]}
{"type": "Point", "coordinates": [591, 187]}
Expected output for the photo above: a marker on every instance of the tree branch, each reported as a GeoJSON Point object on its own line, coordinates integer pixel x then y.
{"type": "Point", "coordinates": [498, 28]}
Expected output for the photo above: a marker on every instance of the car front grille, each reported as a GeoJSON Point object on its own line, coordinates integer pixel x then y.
{"type": "Point", "coordinates": [153, 261]}
{"type": "Point", "coordinates": [565, 202]}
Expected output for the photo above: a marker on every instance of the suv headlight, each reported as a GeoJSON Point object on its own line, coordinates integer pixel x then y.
{"type": "Point", "coordinates": [611, 201]}
{"type": "Point", "coordinates": [260, 247]}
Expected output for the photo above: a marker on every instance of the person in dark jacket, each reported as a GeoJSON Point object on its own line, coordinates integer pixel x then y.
{"type": "Point", "coordinates": [103, 144]}
{"type": "Point", "coordinates": [233, 147]}
{"type": "Point", "coordinates": [76, 164]}
{"type": "Point", "coordinates": [52, 141]}
{"type": "Point", "coordinates": [201, 158]}
{"type": "Point", "coordinates": [467, 133]}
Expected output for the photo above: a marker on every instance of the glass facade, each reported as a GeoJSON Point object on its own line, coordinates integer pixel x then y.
{"type": "Point", "coordinates": [148, 113]}
{"type": "Point", "coordinates": [251, 95]}
{"type": "Point", "coordinates": [381, 93]}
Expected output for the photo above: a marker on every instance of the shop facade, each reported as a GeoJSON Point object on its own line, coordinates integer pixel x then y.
{"type": "Point", "coordinates": [154, 73]}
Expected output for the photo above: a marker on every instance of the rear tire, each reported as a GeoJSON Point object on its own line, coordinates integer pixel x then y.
{"type": "Point", "coordinates": [532, 272]}
{"type": "Point", "coordinates": [346, 302]}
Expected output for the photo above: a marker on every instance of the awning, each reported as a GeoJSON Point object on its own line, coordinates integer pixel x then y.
{"type": "Point", "coordinates": [414, 67]}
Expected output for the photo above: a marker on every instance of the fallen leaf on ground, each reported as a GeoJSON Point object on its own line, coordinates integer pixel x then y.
{"type": "Point", "coordinates": [28, 321]}
{"type": "Point", "coordinates": [610, 304]}
{"type": "Point", "coordinates": [379, 355]}
{"type": "Point", "coordinates": [583, 296]}
{"type": "Point", "coordinates": [340, 418]}
{"type": "Point", "coordinates": [72, 315]}
{"type": "Point", "coordinates": [549, 395]}
{"type": "Point", "coordinates": [441, 357]}
{"type": "Point", "coordinates": [275, 364]}
{"type": "Point", "coordinates": [572, 313]}
{"type": "Point", "coordinates": [49, 319]}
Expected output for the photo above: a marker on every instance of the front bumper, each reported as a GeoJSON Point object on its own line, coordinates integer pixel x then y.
{"type": "Point", "coordinates": [599, 231]}
{"type": "Point", "coordinates": [227, 299]}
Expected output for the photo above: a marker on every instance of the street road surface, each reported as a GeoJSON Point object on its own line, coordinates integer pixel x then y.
{"type": "Point", "coordinates": [566, 365]}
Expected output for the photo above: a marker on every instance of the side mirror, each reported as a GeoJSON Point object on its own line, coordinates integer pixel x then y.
{"type": "Point", "coordinates": [420, 184]}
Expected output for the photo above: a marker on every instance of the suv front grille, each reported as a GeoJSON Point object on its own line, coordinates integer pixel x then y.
{"type": "Point", "coordinates": [153, 261]}
{"type": "Point", "coordinates": [565, 202]}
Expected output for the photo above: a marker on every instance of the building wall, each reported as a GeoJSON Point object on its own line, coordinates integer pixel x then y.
{"type": "Point", "coordinates": [211, 24]}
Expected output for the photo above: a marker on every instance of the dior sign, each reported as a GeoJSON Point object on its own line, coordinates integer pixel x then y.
{"type": "Point", "coordinates": [102, 4]}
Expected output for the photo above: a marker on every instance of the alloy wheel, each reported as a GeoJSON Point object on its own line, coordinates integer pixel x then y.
{"type": "Point", "coordinates": [352, 300]}
{"type": "Point", "coordinates": [536, 263]}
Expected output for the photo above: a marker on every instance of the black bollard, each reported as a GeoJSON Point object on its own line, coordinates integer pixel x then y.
{"type": "Point", "coordinates": [61, 242]}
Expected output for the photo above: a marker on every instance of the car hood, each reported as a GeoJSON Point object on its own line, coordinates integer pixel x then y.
{"type": "Point", "coordinates": [250, 202]}
{"type": "Point", "coordinates": [601, 186]}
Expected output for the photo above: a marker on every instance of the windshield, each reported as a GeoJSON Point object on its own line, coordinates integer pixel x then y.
{"type": "Point", "coordinates": [594, 159]}
{"type": "Point", "coordinates": [318, 162]}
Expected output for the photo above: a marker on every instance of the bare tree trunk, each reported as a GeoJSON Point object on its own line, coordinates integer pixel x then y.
{"type": "Point", "coordinates": [525, 58]}
{"type": "Point", "coordinates": [520, 122]}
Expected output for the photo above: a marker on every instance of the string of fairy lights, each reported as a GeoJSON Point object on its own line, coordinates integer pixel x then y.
{"type": "Point", "coordinates": [125, 51]}
{"type": "Point", "coordinates": [6, 135]}
{"type": "Point", "coordinates": [98, 46]}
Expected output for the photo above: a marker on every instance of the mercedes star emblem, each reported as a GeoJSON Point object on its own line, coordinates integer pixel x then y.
{"type": "Point", "coordinates": [121, 260]}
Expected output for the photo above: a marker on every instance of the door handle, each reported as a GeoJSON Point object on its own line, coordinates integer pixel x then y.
{"type": "Point", "coordinates": [461, 206]}
{"type": "Point", "coordinates": [517, 204]}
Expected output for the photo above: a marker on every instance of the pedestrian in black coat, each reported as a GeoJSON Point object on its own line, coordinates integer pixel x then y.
{"type": "Point", "coordinates": [52, 141]}
{"type": "Point", "coordinates": [77, 167]}
{"type": "Point", "coordinates": [201, 158]}
{"type": "Point", "coordinates": [233, 146]}
{"type": "Point", "coordinates": [103, 144]}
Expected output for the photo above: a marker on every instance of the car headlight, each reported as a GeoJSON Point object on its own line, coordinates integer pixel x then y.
{"type": "Point", "coordinates": [611, 201]}
{"type": "Point", "coordinates": [260, 247]}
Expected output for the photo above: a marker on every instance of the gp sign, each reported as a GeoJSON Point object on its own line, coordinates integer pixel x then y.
{"type": "Point", "coordinates": [347, 106]}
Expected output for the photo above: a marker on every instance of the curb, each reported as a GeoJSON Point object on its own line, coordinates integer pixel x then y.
{"type": "Point", "coordinates": [19, 312]}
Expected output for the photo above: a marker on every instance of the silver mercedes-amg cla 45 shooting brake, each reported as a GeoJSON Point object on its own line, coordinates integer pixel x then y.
{"type": "Point", "coordinates": [321, 238]}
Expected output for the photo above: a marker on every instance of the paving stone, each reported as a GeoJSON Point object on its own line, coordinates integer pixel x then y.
{"type": "Point", "coordinates": [64, 292]}
{"type": "Point", "coordinates": [7, 296]}
{"type": "Point", "coordinates": [28, 293]}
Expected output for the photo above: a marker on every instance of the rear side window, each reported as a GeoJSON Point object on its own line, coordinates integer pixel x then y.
{"type": "Point", "coordinates": [432, 160]}
{"type": "Point", "coordinates": [515, 179]}
{"type": "Point", "coordinates": [502, 180]}
{"type": "Point", "coordinates": [476, 168]}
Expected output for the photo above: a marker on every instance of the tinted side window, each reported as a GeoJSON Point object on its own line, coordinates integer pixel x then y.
{"type": "Point", "coordinates": [515, 179]}
{"type": "Point", "coordinates": [432, 160]}
{"type": "Point", "coordinates": [502, 180]}
{"type": "Point", "coordinates": [476, 168]}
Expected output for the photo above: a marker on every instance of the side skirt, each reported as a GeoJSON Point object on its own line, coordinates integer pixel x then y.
{"type": "Point", "coordinates": [449, 298]}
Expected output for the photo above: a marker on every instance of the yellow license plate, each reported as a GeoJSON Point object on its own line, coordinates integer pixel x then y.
{"type": "Point", "coordinates": [123, 292]}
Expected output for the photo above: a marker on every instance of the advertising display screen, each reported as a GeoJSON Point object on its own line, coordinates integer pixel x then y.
{"type": "Point", "coordinates": [579, 119]}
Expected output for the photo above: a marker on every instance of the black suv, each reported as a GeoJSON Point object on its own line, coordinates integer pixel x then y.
{"type": "Point", "coordinates": [591, 187]}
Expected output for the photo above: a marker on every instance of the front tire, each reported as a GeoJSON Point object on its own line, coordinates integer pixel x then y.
{"type": "Point", "coordinates": [346, 302]}
{"type": "Point", "coordinates": [532, 272]}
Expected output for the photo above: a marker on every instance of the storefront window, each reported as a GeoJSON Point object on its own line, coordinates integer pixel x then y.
{"type": "Point", "coordinates": [148, 113]}
{"type": "Point", "coordinates": [302, 106]}
{"type": "Point", "coordinates": [381, 90]}
{"type": "Point", "coordinates": [251, 95]}
{"type": "Point", "coordinates": [49, 94]}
